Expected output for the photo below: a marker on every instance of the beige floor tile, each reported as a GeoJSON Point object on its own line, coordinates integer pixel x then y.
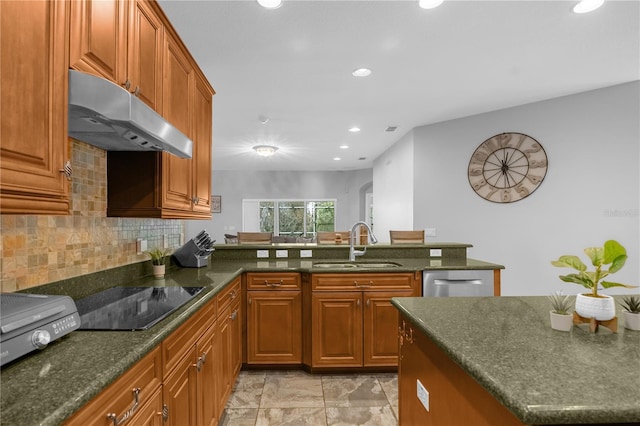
{"type": "Point", "coordinates": [292, 391]}
{"type": "Point", "coordinates": [353, 391]}
{"type": "Point", "coordinates": [389, 384]}
{"type": "Point", "coordinates": [239, 417]}
{"type": "Point", "coordinates": [361, 416]}
{"type": "Point", "coordinates": [291, 417]}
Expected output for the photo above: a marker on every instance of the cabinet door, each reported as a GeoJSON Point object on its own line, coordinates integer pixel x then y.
{"type": "Point", "coordinates": [98, 38]}
{"type": "Point", "coordinates": [223, 358]}
{"type": "Point", "coordinates": [380, 338]}
{"type": "Point", "coordinates": [274, 327]}
{"type": "Point", "coordinates": [33, 133]}
{"type": "Point", "coordinates": [207, 402]}
{"type": "Point", "coordinates": [177, 89]}
{"type": "Point", "coordinates": [202, 137]}
{"type": "Point", "coordinates": [236, 340]}
{"type": "Point", "coordinates": [179, 392]}
{"type": "Point", "coordinates": [336, 329]}
{"type": "Point", "coordinates": [144, 65]}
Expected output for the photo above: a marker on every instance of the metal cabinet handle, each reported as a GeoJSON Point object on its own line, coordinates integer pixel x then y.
{"type": "Point", "coordinates": [165, 412]}
{"type": "Point", "coordinates": [234, 315]}
{"type": "Point", "coordinates": [201, 360]}
{"type": "Point", "coordinates": [137, 91]}
{"type": "Point", "coordinates": [409, 336]}
{"type": "Point", "coordinates": [127, 414]}
{"type": "Point", "coordinates": [67, 170]}
{"type": "Point", "coordinates": [357, 284]}
{"type": "Point", "coordinates": [358, 302]}
{"type": "Point", "coordinates": [249, 301]}
{"type": "Point", "coordinates": [268, 284]}
{"type": "Point", "coordinates": [195, 200]}
{"type": "Point", "coordinates": [368, 302]}
{"type": "Point", "coordinates": [127, 84]}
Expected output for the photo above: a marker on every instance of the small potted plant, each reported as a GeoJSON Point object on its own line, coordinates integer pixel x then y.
{"type": "Point", "coordinates": [631, 313]}
{"type": "Point", "coordinates": [591, 304]}
{"type": "Point", "coordinates": [561, 318]}
{"type": "Point", "coordinates": [158, 258]}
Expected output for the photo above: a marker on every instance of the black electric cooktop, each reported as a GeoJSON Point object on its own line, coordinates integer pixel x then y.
{"type": "Point", "coordinates": [131, 308]}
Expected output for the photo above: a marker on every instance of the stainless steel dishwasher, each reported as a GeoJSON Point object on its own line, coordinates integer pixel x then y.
{"type": "Point", "coordinates": [456, 283]}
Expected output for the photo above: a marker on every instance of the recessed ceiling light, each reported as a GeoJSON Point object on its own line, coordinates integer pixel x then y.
{"type": "Point", "coordinates": [265, 150]}
{"type": "Point", "coordinates": [586, 6]}
{"type": "Point", "coordinates": [354, 129]}
{"type": "Point", "coordinates": [361, 72]}
{"type": "Point", "coordinates": [430, 4]}
{"type": "Point", "coordinates": [270, 4]}
{"type": "Point", "coordinates": [336, 158]}
{"type": "Point", "coordinates": [344, 146]}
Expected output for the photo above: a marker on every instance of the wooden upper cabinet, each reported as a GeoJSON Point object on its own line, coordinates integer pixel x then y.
{"type": "Point", "coordinates": [121, 41]}
{"type": "Point", "coordinates": [202, 137]}
{"type": "Point", "coordinates": [98, 38]}
{"type": "Point", "coordinates": [33, 133]}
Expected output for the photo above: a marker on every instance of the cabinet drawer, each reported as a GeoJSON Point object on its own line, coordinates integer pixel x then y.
{"type": "Point", "coordinates": [119, 397]}
{"type": "Point", "coordinates": [273, 281]}
{"type": "Point", "coordinates": [368, 282]}
{"type": "Point", "coordinates": [229, 294]}
{"type": "Point", "coordinates": [182, 340]}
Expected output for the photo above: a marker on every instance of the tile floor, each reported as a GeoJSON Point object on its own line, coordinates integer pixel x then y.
{"type": "Point", "coordinates": [298, 398]}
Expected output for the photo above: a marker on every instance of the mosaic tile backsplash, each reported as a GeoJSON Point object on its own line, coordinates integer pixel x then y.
{"type": "Point", "coordinates": [36, 249]}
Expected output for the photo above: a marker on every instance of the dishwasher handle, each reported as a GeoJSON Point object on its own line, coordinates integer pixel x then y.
{"type": "Point", "coordinates": [449, 281]}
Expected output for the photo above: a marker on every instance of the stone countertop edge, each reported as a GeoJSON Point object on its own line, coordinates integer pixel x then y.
{"type": "Point", "coordinates": [505, 368]}
{"type": "Point", "coordinates": [63, 363]}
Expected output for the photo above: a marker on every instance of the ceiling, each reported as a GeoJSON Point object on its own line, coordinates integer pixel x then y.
{"type": "Point", "coordinates": [293, 66]}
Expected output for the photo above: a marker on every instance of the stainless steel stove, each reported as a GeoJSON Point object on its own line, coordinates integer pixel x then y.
{"type": "Point", "coordinates": [131, 308]}
{"type": "Point", "coordinates": [31, 321]}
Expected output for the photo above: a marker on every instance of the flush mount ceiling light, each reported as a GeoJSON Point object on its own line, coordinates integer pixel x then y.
{"type": "Point", "coordinates": [336, 158]}
{"type": "Point", "coordinates": [429, 4]}
{"type": "Point", "coordinates": [270, 4]}
{"type": "Point", "coordinates": [361, 72]}
{"type": "Point", "coordinates": [265, 150]}
{"type": "Point", "coordinates": [354, 129]}
{"type": "Point", "coordinates": [344, 146]}
{"type": "Point", "coordinates": [586, 6]}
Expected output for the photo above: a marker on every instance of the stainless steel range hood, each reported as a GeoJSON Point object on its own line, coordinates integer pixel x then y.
{"type": "Point", "coordinates": [106, 115]}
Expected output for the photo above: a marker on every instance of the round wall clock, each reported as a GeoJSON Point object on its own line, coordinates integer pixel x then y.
{"type": "Point", "coordinates": [507, 167]}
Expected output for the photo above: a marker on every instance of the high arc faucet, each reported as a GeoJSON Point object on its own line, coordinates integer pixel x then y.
{"type": "Point", "coordinates": [353, 253]}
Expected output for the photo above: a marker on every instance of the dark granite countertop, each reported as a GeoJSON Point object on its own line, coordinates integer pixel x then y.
{"type": "Point", "coordinates": [46, 387]}
{"type": "Point", "coordinates": [542, 375]}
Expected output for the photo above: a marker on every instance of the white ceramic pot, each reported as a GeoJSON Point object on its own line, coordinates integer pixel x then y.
{"type": "Point", "coordinates": [602, 308]}
{"type": "Point", "coordinates": [158, 271]}
{"type": "Point", "coordinates": [631, 320]}
{"type": "Point", "coordinates": [562, 322]}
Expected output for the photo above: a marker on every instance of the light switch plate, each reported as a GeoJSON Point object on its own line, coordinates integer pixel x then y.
{"type": "Point", "coordinates": [261, 254]}
{"type": "Point", "coordinates": [141, 245]}
{"type": "Point", "coordinates": [306, 253]}
{"type": "Point", "coordinates": [435, 252]}
{"type": "Point", "coordinates": [282, 253]}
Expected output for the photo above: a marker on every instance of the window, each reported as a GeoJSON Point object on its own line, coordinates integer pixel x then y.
{"type": "Point", "coordinates": [289, 217]}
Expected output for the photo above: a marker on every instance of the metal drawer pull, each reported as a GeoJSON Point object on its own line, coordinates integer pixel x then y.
{"type": "Point", "coordinates": [127, 414]}
{"type": "Point", "coordinates": [232, 294]}
{"type": "Point", "coordinates": [67, 170]}
{"type": "Point", "coordinates": [201, 360]}
{"type": "Point", "coordinates": [268, 284]}
{"type": "Point", "coordinates": [234, 315]}
{"type": "Point", "coordinates": [363, 285]}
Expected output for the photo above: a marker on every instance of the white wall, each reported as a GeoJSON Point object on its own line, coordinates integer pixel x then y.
{"type": "Point", "coordinates": [590, 193]}
{"type": "Point", "coordinates": [393, 183]}
{"type": "Point", "coordinates": [233, 186]}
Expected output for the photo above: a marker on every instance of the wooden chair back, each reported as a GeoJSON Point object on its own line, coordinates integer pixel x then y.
{"type": "Point", "coordinates": [330, 237]}
{"type": "Point", "coordinates": [254, 237]}
{"type": "Point", "coordinates": [407, 237]}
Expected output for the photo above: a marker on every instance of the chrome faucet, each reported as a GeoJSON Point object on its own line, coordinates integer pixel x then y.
{"type": "Point", "coordinates": [353, 253]}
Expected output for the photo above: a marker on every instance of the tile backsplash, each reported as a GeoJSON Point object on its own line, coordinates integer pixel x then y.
{"type": "Point", "coordinates": [38, 249]}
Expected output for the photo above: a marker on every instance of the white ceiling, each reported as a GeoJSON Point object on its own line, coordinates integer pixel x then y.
{"type": "Point", "coordinates": [293, 65]}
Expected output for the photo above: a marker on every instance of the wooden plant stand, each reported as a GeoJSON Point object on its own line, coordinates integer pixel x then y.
{"type": "Point", "coordinates": [611, 324]}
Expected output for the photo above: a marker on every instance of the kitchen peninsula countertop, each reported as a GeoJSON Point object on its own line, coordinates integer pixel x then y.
{"type": "Point", "coordinates": [46, 387]}
{"type": "Point", "coordinates": [542, 376]}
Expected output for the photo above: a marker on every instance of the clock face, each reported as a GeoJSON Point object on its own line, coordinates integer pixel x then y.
{"type": "Point", "coordinates": [507, 167]}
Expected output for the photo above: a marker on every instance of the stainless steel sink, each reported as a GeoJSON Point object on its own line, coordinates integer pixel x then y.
{"type": "Point", "coordinates": [350, 265]}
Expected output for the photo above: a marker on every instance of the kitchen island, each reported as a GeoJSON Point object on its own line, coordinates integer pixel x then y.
{"type": "Point", "coordinates": [498, 356]}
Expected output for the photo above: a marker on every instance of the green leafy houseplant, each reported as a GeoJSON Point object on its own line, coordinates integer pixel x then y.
{"type": "Point", "coordinates": [631, 304]}
{"type": "Point", "coordinates": [560, 303]}
{"type": "Point", "coordinates": [612, 253]}
{"type": "Point", "coordinates": [158, 256]}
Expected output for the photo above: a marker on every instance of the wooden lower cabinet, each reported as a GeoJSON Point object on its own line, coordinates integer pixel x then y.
{"type": "Point", "coordinates": [138, 387]}
{"type": "Point", "coordinates": [353, 323]}
{"type": "Point", "coordinates": [229, 350]}
{"type": "Point", "coordinates": [274, 319]}
{"type": "Point", "coordinates": [455, 398]}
